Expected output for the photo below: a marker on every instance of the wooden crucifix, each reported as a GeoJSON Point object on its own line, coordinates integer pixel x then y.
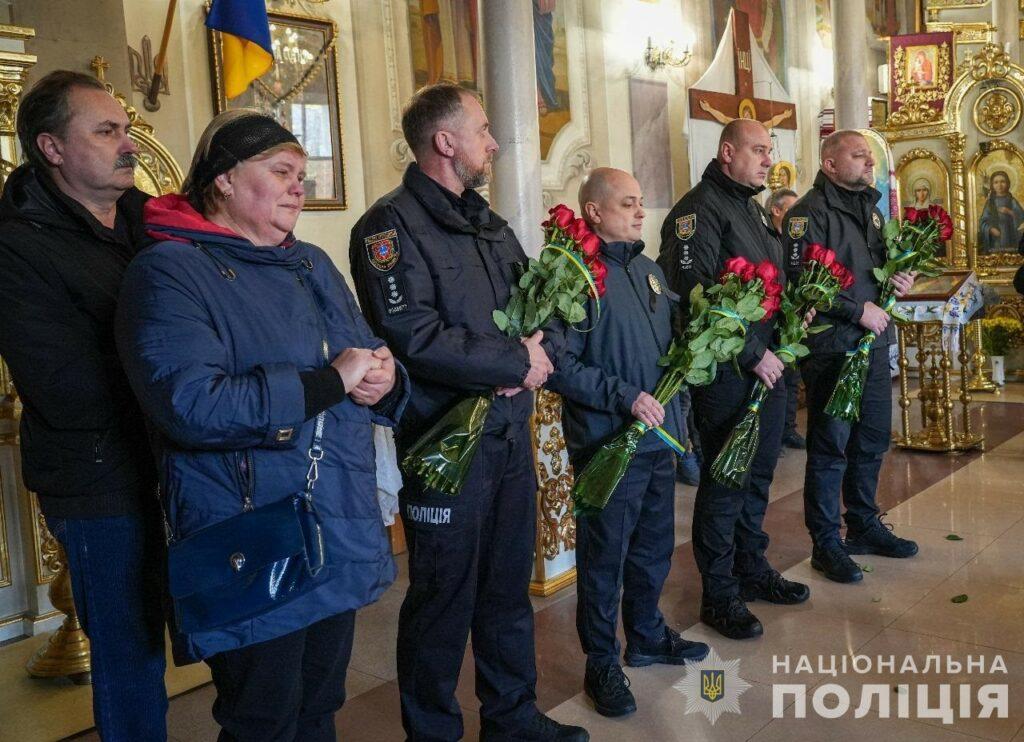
{"type": "Point", "coordinates": [710, 105]}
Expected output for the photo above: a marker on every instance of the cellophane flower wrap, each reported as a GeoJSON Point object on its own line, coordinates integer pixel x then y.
{"type": "Point", "coordinates": [911, 245]}
{"type": "Point", "coordinates": [557, 283]}
{"type": "Point", "coordinates": [819, 283]}
{"type": "Point", "coordinates": [716, 333]}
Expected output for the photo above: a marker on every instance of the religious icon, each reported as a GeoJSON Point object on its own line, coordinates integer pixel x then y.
{"type": "Point", "coordinates": [550, 54]}
{"type": "Point", "coordinates": [921, 63]}
{"type": "Point", "coordinates": [767, 24]}
{"type": "Point", "coordinates": [445, 42]}
{"type": "Point", "coordinates": [1001, 226]}
{"type": "Point", "coordinates": [923, 182]}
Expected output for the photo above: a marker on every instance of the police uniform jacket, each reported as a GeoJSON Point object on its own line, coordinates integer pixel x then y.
{"type": "Point", "coordinates": [849, 223]}
{"type": "Point", "coordinates": [602, 372]}
{"type": "Point", "coordinates": [715, 221]}
{"type": "Point", "coordinates": [430, 267]}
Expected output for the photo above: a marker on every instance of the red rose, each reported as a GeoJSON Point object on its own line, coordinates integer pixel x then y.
{"type": "Point", "coordinates": [577, 229]}
{"type": "Point", "coordinates": [561, 216]}
{"type": "Point", "coordinates": [771, 305]}
{"type": "Point", "coordinates": [598, 271]}
{"type": "Point", "coordinates": [767, 272]}
{"type": "Point", "coordinates": [740, 267]}
{"type": "Point", "coordinates": [813, 252]}
{"type": "Point", "coordinates": [912, 215]}
{"type": "Point", "coordinates": [847, 280]}
{"type": "Point", "coordinates": [590, 245]}
{"type": "Point", "coordinates": [940, 215]}
{"type": "Point", "coordinates": [828, 257]}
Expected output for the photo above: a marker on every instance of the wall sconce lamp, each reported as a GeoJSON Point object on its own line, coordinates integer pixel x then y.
{"type": "Point", "coordinates": [657, 57]}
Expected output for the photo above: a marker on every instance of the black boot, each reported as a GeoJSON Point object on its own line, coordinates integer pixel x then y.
{"type": "Point", "coordinates": [877, 538]}
{"type": "Point", "coordinates": [731, 619]}
{"type": "Point", "coordinates": [540, 728]}
{"type": "Point", "coordinates": [673, 650]}
{"type": "Point", "coordinates": [774, 588]}
{"type": "Point", "coordinates": [608, 688]}
{"type": "Point", "coordinates": [835, 563]}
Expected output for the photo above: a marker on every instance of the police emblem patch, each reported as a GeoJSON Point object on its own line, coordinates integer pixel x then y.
{"type": "Point", "coordinates": [797, 227]}
{"type": "Point", "coordinates": [876, 220]}
{"type": "Point", "coordinates": [686, 226]}
{"type": "Point", "coordinates": [382, 250]}
{"type": "Point", "coordinates": [654, 283]}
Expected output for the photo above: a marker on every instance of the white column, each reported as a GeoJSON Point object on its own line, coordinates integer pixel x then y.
{"type": "Point", "coordinates": [510, 98]}
{"type": "Point", "coordinates": [1006, 19]}
{"type": "Point", "coordinates": [850, 49]}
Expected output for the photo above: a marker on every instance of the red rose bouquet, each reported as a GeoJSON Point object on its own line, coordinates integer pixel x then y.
{"type": "Point", "coordinates": [817, 287]}
{"type": "Point", "coordinates": [716, 333]}
{"type": "Point", "coordinates": [557, 283]}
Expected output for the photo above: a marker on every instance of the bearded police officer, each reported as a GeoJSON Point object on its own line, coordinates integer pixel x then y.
{"type": "Point", "coordinates": [603, 377]}
{"type": "Point", "coordinates": [715, 221]}
{"type": "Point", "coordinates": [431, 263]}
{"type": "Point", "coordinates": [839, 212]}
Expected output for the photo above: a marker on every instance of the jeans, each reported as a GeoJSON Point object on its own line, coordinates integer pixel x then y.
{"type": "Point", "coordinates": [116, 569]}
{"type": "Point", "coordinates": [286, 689]}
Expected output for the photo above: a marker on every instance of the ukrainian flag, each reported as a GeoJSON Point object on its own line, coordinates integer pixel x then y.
{"type": "Point", "coordinates": [245, 41]}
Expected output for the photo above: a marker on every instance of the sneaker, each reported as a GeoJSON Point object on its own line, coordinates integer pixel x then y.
{"type": "Point", "coordinates": [608, 688]}
{"type": "Point", "coordinates": [674, 650]}
{"type": "Point", "coordinates": [794, 440]}
{"type": "Point", "coordinates": [879, 539]}
{"type": "Point", "coordinates": [774, 588]}
{"type": "Point", "coordinates": [731, 619]}
{"type": "Point", "coordinates": [540, 728]}
{"type": "Point", "coordinates": [688, 469]}
{"type": "Point", "coordinates": [835, 563]}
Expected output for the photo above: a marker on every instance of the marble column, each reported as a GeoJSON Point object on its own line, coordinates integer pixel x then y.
{"type": "Point", "coordinates": [1006, 18]}
{"type": "Point", "coordinates": [510, 97]}
{"type": "Point", "coordinates": [850, 54]}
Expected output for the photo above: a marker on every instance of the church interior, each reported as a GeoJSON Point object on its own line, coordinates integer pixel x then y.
{"type": "Point", "coordinates": [937, 88]}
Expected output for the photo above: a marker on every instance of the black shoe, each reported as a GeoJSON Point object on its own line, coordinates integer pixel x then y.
{"type": "Point", "coordinates": [731, 619]}
{"type": "Point", "coordinates": [879, 539]}
{"type": "Point", "coordinates": [774, 588]}
{"type": "Point", "coordinates": [608, 688]}
{"type": "Point", "coordinates": [794, 440]}
{"type": "Point", "coordinates": [674, 650]}
{"type": "Point", "coordinates": [835, 563]}
{"type": "Point", "coordinates": [540, 728]}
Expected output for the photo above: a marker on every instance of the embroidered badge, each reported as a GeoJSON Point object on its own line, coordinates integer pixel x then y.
{"type": "Point", "coordinates": [394, 294]}
{"type": "Point", "coordinates": [686, 259]}
{"type": "Point", "coordinates": [382, 250]}
{"type": "Point", "coordinates": [686, 226]}
{"type": "Point", "coordinates": [876, 220]}
{"type": "Point", "coordinates": [654, 283]}
{"type": "Point", "coordinates": [797, 227]}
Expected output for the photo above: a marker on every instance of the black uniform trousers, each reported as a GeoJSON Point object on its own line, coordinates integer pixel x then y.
{"type": "Point", "coordinates": [626, 548]}
{"type": "Point", "coordinates": [842, 457]}
{"type": "Point", "coordinates": [286, 689]}
{"type": "Point", "coordinates": [729, 541]}
{"type": "Point", "coordinates": [470, 561]}
{"type": "Point", "coordinates": [792, 378]}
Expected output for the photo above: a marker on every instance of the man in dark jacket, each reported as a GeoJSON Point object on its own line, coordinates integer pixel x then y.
{"type": "Point", "coordinates": [431, 262]}
{"type": "Point", "coordinates": [715, 221]}
{"type": "Point", "coordinates": [70, 221]}
{"type": "Point", "coordinates": [839, 212]}
{"type": "Point", "coordinates": [603, 376]}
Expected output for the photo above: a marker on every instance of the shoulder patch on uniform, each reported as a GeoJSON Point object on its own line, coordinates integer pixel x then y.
{"type": "Point", "coordinates": [382, 250]}
{"type": "Point", "coordinates": [797, 227]}
{"type": "Point", "coordinates": [876, 220]}
{"type": "Point", "coordinates": [686, 226]}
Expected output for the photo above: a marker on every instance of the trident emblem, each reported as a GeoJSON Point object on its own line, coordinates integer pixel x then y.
{"type": "Point", "coordinates": [712, 684]}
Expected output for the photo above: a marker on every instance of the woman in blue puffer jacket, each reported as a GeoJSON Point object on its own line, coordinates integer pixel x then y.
{"type": "Point", "coordinates": [223, 327]}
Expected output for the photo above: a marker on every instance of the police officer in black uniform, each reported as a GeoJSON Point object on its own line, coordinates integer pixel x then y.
{"type": "Point", "coordinates": [839, 212]}
{"type": "Point", "coordinates": [604, 376]}
{"type": "Point", "coordinates": [431, 263]}
{"type": "Point", "coordinates": [715, 221]}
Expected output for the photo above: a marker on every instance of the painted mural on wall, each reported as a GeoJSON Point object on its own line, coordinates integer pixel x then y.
{"type": "Point", "coordinates": [767, 24]}
{"type": "Point", "coordinates": [1000, 202]}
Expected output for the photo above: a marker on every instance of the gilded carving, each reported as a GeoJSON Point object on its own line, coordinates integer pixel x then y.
{"type": "Point", "coordinates": [916, 104]}
{"type": "Point", "coordinates": [988, 63]}
{"type": "Point", "coordinates": [555, 521]}
{"type": "Point", "coordinates": [997, 111]}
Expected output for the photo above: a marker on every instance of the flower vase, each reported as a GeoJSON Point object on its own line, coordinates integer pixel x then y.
{"type": "Point", "coordinates": [998, 370]}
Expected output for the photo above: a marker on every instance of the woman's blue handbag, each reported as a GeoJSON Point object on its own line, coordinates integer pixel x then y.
{"type": "Point", "coordinates": [251, 563]}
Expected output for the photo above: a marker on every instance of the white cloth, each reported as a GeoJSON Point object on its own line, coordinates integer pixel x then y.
{"type": "Point", "coordinates": [389, 478]}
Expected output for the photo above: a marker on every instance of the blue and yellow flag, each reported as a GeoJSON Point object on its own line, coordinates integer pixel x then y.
{"type": "Point", "coordinates": [245, 41]}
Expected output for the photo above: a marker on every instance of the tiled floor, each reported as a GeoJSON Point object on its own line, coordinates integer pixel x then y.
{"type": "Point", "coordinates": [901, 608]}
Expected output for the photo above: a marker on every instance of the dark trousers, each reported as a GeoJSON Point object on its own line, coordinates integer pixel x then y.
{"type": "Point", "coordinates": [470, 561]}
{"type": "Point", "coordinates": [842, 457]}
{"type": "Point", "coordinates": [286, 689]}
{"type": "Point", "coordinates": [729, 541]}
{"type": "Point", "coordinates": [626, 548]}
{"type": "Point", "coordinates": [116, 570]}
{"type": "Point", "coordinates": [792, 379]}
